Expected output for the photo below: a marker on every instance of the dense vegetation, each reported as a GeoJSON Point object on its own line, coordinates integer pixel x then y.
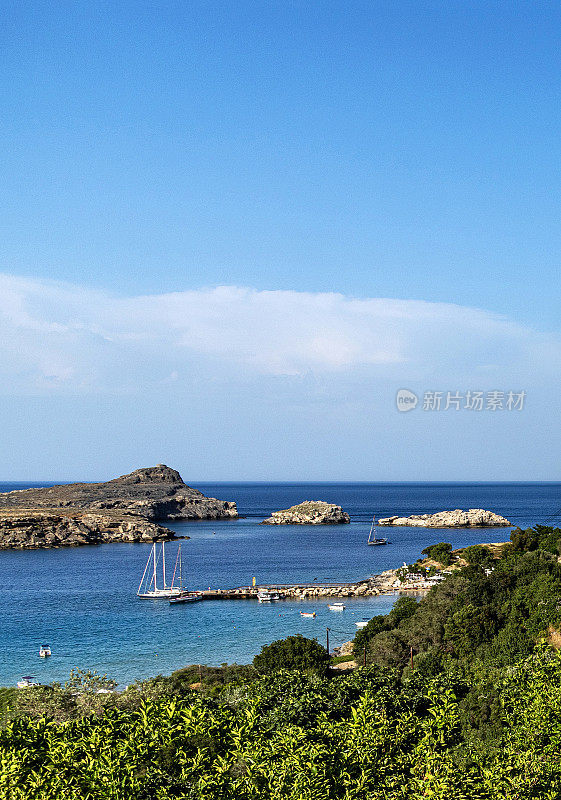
{"type": "Point", "coordinates": [477, 716]}
{"type": "Point", "coordinates": [294, 652]}
{"type": "Point", "coordinates": [481, 618]}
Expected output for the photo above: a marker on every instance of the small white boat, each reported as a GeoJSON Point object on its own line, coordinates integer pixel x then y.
{"type": "Point", "coordinates": [336, 606]}
{"type": "Point", "coordinates": [187, 597]}
{"type": "Point", "coordinates": [27, 681]}
{"type": "Point", "coordinates": [148, 587]}
{"type": "Point", "coordinates": [373, 539]}
{"type": "Point", "coordinates": [362, 624]}
{"type": "Point", "coordinates": [267, 595]}
{"type": "Point", "coordinates": [307, 613]}
{"type": "Point", "coordinates": [44, 651]}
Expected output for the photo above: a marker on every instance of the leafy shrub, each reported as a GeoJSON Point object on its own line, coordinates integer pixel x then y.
{"type": "Point", "coordinates": [441, 552]}
{"type": "Point", "coordinates": [294, 652]}
{"type": "Point", "coordinates": [478, 556]}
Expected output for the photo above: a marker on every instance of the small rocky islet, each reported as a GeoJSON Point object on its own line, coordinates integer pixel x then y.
{"type": "Point", "coordinates": [125, 509]}
{"type": "Point", "coordinates": [310, 512]}
{"type": "Point", "coordinates": [472, 518]}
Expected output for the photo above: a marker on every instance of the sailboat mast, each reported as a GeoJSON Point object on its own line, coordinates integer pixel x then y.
{"type": "Point", "coordinates": [164, 562]}
{"type": "Point", "coordinates": [175, 569]}
{"type": "Point", "coordinates": [371, 529]}
{"type": "Point", "coordinates": [154, 558]}
{"type": "Point", "coordinates": [143, 574]}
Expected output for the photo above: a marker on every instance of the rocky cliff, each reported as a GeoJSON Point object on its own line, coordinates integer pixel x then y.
{"type": "Point", "coordinates": [474, 518]}
{"type": "Point", "coordinates": [31, 529]}
{"type": "Point", "coordinates": [126, 509]}
{"type": "Point", "coordinates": [155, 493]}
{"type": "Point", "coordinates": [311, 512]}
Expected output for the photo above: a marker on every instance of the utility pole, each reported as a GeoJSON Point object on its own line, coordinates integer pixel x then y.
{"type": "Point", "coordinates": [327, 631]}
{"type": "Point", "coordinates": [411, 652]}
{"type": "Point", "coordinates": [364, 658]}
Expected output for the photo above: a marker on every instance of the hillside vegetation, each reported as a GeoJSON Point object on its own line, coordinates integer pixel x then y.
{"type": "Point", "coordinates": [477, 717]}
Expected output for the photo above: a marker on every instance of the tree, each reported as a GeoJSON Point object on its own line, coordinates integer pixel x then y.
{"type": "Point", "coordinates": [388, 649]}
{"type": "Point", "coordinates": [364, 635]}
{"type": "Point", "coordinates": [478, 556]}
{"type": "Point", "coordinates": [441, 552]}
{"type": "Point", "coordinates": [403, 609]}
{"type": "Point", "coordinates": [294, 652]}
{"type": "Point", "coordinates": [87, 680]}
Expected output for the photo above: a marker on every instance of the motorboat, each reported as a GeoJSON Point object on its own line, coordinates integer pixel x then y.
{"type": "Point", "coordinates": [267, 595]}
{"type": "Point", "coordinates": [44, 651]}
{"type": "Point", "coordinates": [362, 624]}
{"type": "Point", "coordinates": [186, 597]}
{"type": "Point", "coordinates": [336, 606]}
{"type": "Point", "coordinates": [307, 614]}
{"type": "Point", "coordinates": [27, 681]}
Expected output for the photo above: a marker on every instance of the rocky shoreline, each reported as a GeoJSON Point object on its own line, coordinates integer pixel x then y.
{"type": "Point", "coordinates": [30, 529]}
{"type": "Point", "coordinates": [126, 509]}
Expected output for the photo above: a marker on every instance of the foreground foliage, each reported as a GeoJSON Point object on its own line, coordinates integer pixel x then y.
{"type": "Point", "coordinates": [296, 736]}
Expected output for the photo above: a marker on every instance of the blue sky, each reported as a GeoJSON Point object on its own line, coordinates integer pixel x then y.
{"type": "Point", "coordinates": [375, 187]}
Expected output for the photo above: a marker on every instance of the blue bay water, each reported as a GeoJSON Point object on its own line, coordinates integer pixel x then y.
{"type": "Point", "coordinates": [82, 601]}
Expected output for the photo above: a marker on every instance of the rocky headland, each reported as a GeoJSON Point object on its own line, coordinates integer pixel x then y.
{"type": "Point", "coordinates": [32, 529]}
{"type": "Point", "coordinates": [473, 518]}
{"type": "Point", "coordinates": [155, 493]}
{"type": "Point", "coordinates": [126, 509]}
{"type": "Point", "coordinates": [310, 512]}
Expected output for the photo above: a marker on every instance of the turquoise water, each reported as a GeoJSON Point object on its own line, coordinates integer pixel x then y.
{"type": "Point", "coordinates": [82, 601]}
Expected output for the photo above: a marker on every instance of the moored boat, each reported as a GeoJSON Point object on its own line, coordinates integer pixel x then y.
{"type": "Point", "coordinates": [373, 539]}
{"type": "Point", "coordinates": [44, 651]}
{"type": "Point", "coordinates": [307, 613]}
{"type": "Point", "coordinates": [267, 595]}
{"type": "Point", "coordinates": [187, 597]}
{"type": "Point", "coordinates": [336, 607]}
{"type": "Point", "coordinates": [27, 681]}
{"type": "Point", "coordinates": [362, 624]}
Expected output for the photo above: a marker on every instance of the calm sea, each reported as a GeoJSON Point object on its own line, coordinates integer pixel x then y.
{"type": "Point", "coordinates": [82, 601]}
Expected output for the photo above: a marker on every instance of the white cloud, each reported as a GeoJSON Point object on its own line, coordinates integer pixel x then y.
{"type": "Point", "coordinates": [62, 337]}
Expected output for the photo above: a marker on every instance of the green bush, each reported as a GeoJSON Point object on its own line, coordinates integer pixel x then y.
{"type": "Point", "coordinates": [441, 552]}
{"type": "Point", "coordinates": [294, 652]}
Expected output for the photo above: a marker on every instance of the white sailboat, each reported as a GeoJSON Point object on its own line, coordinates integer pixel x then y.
{"type": "Point", "coordinates": [373, 539]}
{"type": "Point", "coordinates": [148, 587]}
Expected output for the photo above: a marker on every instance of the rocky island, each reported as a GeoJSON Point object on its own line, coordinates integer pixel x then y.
{"type": "Point", "coordinates": [473, 518]}
{"type": "Point", "coordinates": [126, 509]}
{"type": "Point", "coordinates": [310, 512]}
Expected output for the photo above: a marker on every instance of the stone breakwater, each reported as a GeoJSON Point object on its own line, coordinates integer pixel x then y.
{"type": "Point", "coordinates": [310, 512]}
{"type": "Point", "coordinates": [473, 518]}
{"type": "Point", "coordinates": [384, 583]}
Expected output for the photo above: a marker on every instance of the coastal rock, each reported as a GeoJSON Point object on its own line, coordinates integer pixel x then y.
{"type": "Point", "coordinates": [474, 518]}
{"type": "Point", "coordinates": [27, 529]}
{"type": "Point", "coordinates": [310, 512]}
{"type": "Point", "coordinates": [155, 493]}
